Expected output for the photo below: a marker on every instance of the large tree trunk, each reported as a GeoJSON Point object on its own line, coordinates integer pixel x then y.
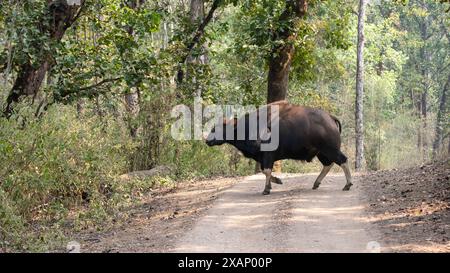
{"type": "Point", "coordinates": [359, 126]}
{"type": "Point", "coordinates": [59, 17]}
{"type": "Point", "coordinates": [441, 119]}
{"type": "Point", "coordinates": [27, 83]}
{"type": "Point", "coordinates": [281, 57]}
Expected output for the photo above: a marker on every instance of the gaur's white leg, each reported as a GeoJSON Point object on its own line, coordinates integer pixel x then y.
{"type": "Point", "coordinates": [268, 187]}
{"type": "Point", "coordinates": [321, 176]}
{"type": "Point", "coordinates": [348, 176]}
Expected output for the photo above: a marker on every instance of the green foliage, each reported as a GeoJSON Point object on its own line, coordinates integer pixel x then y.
{"type": "Point", "coordinates": [24, 21]}
{"type": "Point", "coordinates": [196, 160]}
{"type": "Point", "coordinates": [63, 168]}
{"type": "Point", "coordinates": [117, 46]}
{"type": "Point", "coordinates": [54, 164]}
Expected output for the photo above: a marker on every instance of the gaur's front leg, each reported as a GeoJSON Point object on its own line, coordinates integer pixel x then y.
{"type": "Point", "coordinates": [267, 166]}
{"type": "Point", "coordinates": [268, 173]}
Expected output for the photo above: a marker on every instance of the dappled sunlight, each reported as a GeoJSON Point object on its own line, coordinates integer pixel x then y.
{"type": "Point", "coordinates": [426, 247]}
{"type": "Point", "coordinates": [420, 210]}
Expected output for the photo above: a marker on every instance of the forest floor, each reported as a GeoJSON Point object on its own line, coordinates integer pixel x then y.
{"type": "Point", "coordinates": [411, 207]}
{"type": "Point", "coordinates": [389, 211]}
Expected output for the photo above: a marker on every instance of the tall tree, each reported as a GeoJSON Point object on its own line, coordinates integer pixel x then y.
{"type": "Point", "coordinates": [54, 22]}
{"type": "Point", "coordinates": [281, 57]}
{"type": "Point", "coordinates": [359, 128]}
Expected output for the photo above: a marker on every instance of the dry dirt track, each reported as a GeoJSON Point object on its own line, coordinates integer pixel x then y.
{"type": "Point", "coordinates": [293, 218]}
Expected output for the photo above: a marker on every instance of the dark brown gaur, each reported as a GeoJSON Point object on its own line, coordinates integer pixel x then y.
{"type": "Point", "coordinates": [304, 133]}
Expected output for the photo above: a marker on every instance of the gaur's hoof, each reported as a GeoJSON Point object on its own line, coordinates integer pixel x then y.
{"type": "Point", "coordinates": [316, 186]}
{"type": "Point", "coordinates": [266, 192]}
{"type": "Point", "coordinates": [276, 180]}
{"type": "Point", "coordinates": [347, 187]}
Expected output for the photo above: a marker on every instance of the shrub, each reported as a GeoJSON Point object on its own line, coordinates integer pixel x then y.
{"type": "Point", "coordinates": [55, 163]}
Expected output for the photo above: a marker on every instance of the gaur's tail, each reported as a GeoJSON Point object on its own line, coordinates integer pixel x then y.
{"type": "Point", "coordinates": [338, 123]}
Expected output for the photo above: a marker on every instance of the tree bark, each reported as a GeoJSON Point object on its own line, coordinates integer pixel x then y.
{"type": "Point", "coordinates": [60, 16]}
{"type": "Point", "coordinates": [359, 103]}
{"type": "Point", "coordinates": [197, 11]}
{"type": "Point", "coordinates": [133, 109]}
{"type": "Point", "coordinates": [281, 57]}
{"type": "Point", "coordinates": [441, 120]}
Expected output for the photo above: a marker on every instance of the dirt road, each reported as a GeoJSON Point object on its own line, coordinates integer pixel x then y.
{"type": "Point", "coordinates": [392, 211]}
{"type": "Point", "coordinates": [293, 218]}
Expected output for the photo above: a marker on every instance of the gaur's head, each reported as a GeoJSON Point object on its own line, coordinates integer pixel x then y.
{"type": "Point", "coordinates": [220, 129]}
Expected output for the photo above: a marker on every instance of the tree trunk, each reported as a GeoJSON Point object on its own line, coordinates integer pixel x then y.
{"type": "Point", "coordinates": [448, 147]}
{"type": "Point", "coordinates": [197, 11]}
{"type": "Point", "coordinates": [441, 120]}
{"type": "Point", "coordinates": [423, 112]}
{"type": "Point", "coordinates": [133, 109]}
{"type": "Point", "coordinates": [281, 57]}
{"type": "Point", "coordinates": [359, 126]}
{"type": "Point", "coordinates": [27, 83]}
{"type": "Point", "coordinates": [425, 62]}
{"type": "Point", "coordinates": [197, 15]}
{"type": "Point", "coordinates": [60, 16]}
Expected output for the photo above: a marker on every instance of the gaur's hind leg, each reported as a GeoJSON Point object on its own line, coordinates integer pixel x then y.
{"type": "Point", "coordinates": [348, 176]}
{"type": "Point", "coordinates": [342, 161]}
{"type": "Point", "coordinates": [336, 156]}
{"type": "Point", "coordinates": [327, 164]}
